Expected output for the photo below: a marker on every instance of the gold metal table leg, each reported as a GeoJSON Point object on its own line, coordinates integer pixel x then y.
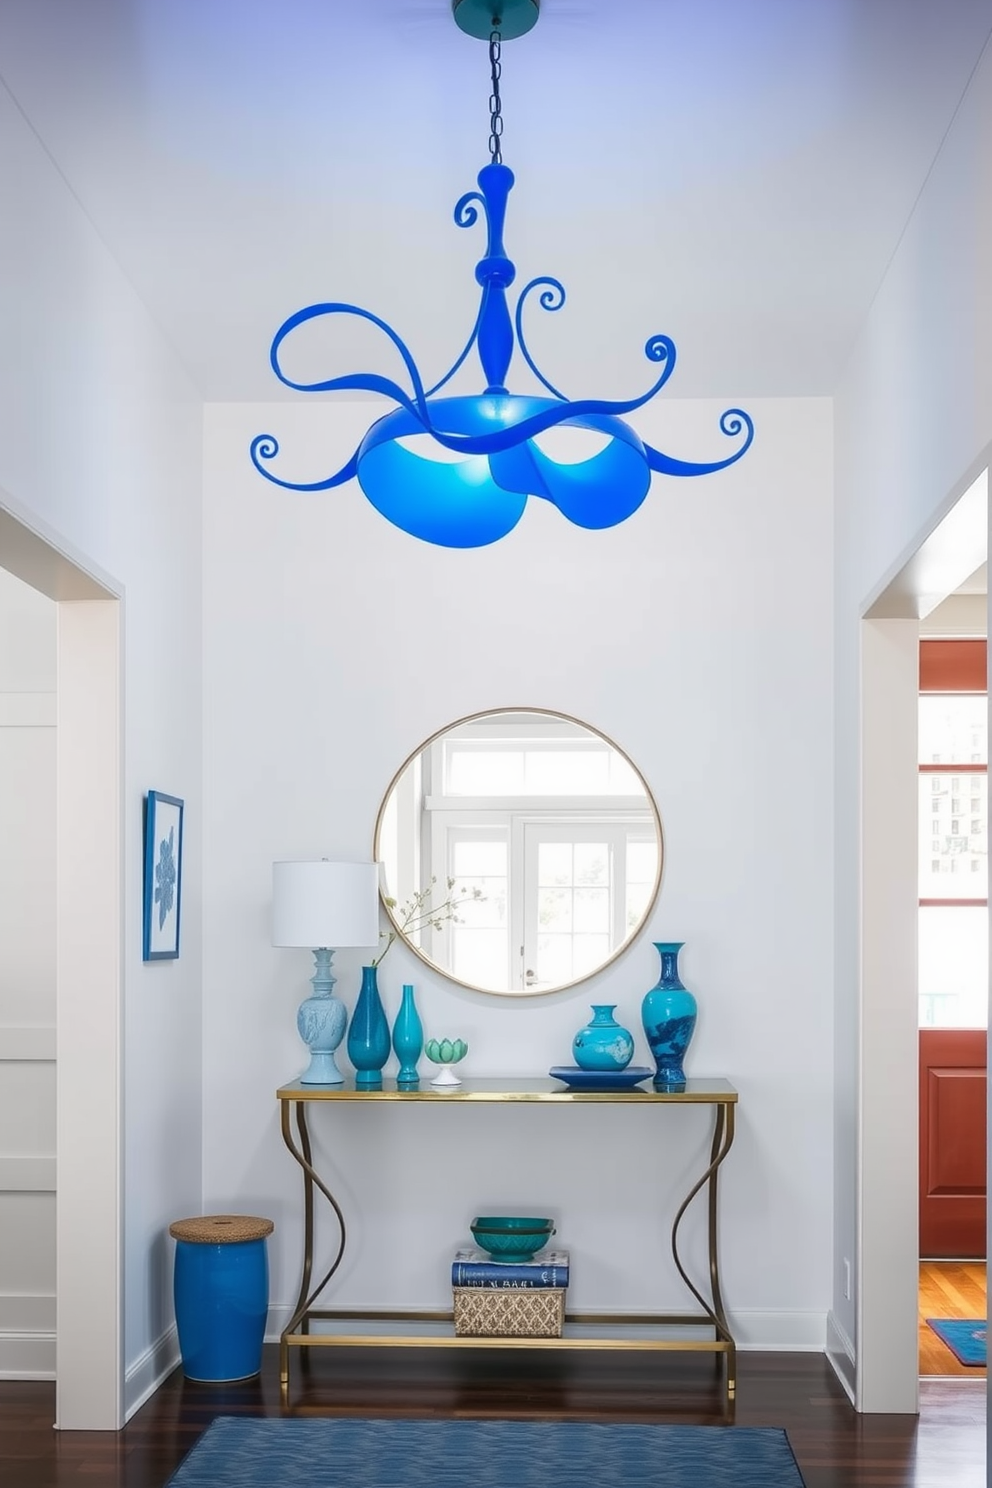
{"type": "Point", "coordinates": [311, 1179]}
{"type": "Point", "coordinates": [723, 1137]}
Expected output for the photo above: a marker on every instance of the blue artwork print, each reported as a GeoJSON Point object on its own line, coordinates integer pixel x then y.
{"type": "Point", "coordinates": [165, 876]}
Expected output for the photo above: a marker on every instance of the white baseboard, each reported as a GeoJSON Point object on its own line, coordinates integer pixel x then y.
{"type": "Point", "coordinates": [279, 1315]}
{"type": "Point", "coordinates": [779, 1332]}
{"type": "Point", "coordinates": [841, 1355]}
{"type": "Point", "coordinates": [143, 1377]}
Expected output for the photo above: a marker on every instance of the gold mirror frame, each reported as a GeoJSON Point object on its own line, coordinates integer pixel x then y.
{"type": "Point", "coordinates": [388, 890]}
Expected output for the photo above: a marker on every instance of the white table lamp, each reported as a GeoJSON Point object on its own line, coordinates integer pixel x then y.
{"type": "Point", "coordinates": [324, 907]}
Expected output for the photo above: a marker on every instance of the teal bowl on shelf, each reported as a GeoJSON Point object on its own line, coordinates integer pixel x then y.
{"type": "Point", "coordinates": [513, 1239]}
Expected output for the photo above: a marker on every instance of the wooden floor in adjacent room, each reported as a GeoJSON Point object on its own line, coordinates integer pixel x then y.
{"type": "Point", "coordinates": [835, 1447]}
{"type": "Point", "coordinates": [949, 1289]}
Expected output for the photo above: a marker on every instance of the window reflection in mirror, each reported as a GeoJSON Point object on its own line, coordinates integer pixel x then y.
{"type": "Point", "coordinates": [551, 839]}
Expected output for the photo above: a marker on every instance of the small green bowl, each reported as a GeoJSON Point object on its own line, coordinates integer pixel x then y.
{"type": "Point", "coordinates": [513, 1239]}
{"type": "Point", "coordinates": [445, 1051]}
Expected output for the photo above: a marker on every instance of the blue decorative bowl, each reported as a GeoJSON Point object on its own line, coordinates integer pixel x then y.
{"type": "Point", "coordinates": [510, 1238]}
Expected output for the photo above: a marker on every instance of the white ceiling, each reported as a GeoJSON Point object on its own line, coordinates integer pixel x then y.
{"type": "Point", "coordinates": [735, 173]}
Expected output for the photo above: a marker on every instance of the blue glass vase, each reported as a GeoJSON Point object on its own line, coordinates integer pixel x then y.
{"type": "Point", "coordinates": [408, 1039]}
{"type": "Point", "coordinates": [603, 1044]}
{"type": "Point", "coordinates": [668, 1013]}
{"type": "Point", "coordinates": [368, 1033]}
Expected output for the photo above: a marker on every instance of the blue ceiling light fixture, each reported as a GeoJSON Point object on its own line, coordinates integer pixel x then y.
{"type": "Point", "coordinates": [475, 493]}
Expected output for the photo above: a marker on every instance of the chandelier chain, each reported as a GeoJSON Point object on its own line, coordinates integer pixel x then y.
{"type": "Point", "coordinates": [495, 104]}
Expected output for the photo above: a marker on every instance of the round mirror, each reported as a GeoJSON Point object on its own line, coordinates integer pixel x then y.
{"type": "Point", "coordinates": [521, 851]}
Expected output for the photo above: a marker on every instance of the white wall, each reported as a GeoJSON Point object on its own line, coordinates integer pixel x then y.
{"type": "Point", "coordinates": [27, 981]}
{"type": "Point", "coordinates": [913, 418]}
{"type": "Point", "coordinates": [699, 636]}
{"type": "Point", "coordinates": [100, 448]}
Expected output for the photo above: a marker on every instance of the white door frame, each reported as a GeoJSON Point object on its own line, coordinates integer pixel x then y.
{"type": "Point", "coordinates": [887, 1375]}
{"type": "Point", "coordinates": [89, 974]}
{"type": "Point", "coordinates": [887, 1350]}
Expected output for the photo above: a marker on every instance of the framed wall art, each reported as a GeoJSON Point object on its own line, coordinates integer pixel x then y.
{"type": "Point", "coordinates": [163, 876]}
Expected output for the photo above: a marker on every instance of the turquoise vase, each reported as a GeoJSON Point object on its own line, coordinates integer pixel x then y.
{"type": "Point", "coordinates": [368, 1033]}
{"type": "Point", "coordinates": [668, 1013]}
{"type": "Point", "coordinates": [408, 1039]}
{"type": "Point", "coordinates": [603, 1044]}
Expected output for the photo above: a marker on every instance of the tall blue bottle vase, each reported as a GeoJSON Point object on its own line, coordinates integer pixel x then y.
{"type": "Point", "coordinates": [408, 1038]}
{"type": "Point", "coordinates": [668, 1013]}
{"type": "Point", "coordinates": [368, 1033]}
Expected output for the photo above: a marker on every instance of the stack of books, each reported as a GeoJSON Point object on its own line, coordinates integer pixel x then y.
{"type": "Point", "coordinates": [497, 1299]}
{"type": "Point", "coordinates": [475, 1268]}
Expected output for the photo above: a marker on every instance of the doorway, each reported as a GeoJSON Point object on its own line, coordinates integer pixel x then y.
{"type": "Point", "coordinates": [88, 993]}
{"type": "Point", "coordinates": [953, 925]}
{"type": "Point", "coordinates": [27, 981]}
{"type": "Point", "coordinates": [887, 1376]}
{"type": "Point", "coordinates": [953, 981]}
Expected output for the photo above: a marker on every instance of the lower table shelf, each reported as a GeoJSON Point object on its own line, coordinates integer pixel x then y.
{"type": "Point", "coordinates": [432, 1328]}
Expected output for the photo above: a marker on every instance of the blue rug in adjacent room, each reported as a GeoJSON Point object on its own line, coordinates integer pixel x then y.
{"type": "Point", "coordinates": [327, 1452]}
{"type": "Point", "coordinates": [964, 1337]}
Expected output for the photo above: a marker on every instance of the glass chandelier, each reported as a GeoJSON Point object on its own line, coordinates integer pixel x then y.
{"type": "Point", "coordinates": [475, 493]}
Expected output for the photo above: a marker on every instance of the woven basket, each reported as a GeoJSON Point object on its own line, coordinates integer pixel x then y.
{"type": "Point", "coordinates": [517, 1312]}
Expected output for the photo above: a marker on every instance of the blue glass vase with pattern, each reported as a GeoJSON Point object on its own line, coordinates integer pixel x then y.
{"type": "Point", "coordinates": [603, 1044]}
{"type": "Point", "coordinates": [668, 1013]}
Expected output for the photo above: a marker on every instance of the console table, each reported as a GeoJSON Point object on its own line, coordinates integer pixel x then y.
{"type": "Point", "coordinates": [436, 1328]}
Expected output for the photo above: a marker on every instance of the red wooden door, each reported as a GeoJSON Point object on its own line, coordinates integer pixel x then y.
{"type": "Point", "coordinates": [952, 1141]}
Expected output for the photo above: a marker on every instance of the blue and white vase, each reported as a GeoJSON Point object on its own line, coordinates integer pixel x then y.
{"type": "Point", "coordinates": [603, 1044]}
{"type": "Point", "coordinates": [368, 1033]}
{"type": "Point", "coordinates": [408, 1039]}
{"type": "Point", "coordinates": [668, 1013]}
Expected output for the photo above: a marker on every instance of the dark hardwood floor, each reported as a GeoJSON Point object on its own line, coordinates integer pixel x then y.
{"type": "Point", "coordinates": [836, 1448]}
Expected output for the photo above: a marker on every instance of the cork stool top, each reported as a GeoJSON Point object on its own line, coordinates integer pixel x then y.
{"type": "Point", "coordinates": [221, 1229]}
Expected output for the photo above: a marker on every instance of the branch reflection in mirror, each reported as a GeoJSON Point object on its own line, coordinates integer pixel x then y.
{"type": "Point", "coordinates": [549, 821]}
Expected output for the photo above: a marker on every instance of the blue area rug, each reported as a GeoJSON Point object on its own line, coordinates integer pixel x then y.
{"type": "Point", "coordinates": [343, 1453]}
{"type": "Point", "coordinates": [964, 1337]}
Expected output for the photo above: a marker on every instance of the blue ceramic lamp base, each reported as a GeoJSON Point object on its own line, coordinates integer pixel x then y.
{"type": "Point", "coordinates": [321, 1023]}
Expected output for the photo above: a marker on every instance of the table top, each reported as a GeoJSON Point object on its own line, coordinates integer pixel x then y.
{"type": "Point", "coordinates": [715, 1091]}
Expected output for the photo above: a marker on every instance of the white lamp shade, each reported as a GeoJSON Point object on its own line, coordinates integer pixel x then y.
{"type": "Point", "coordinates": [318, 903]}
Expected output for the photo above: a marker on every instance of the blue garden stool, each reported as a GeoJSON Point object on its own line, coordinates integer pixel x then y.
{"type": "Point", "coordinates": [222, 1294]}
